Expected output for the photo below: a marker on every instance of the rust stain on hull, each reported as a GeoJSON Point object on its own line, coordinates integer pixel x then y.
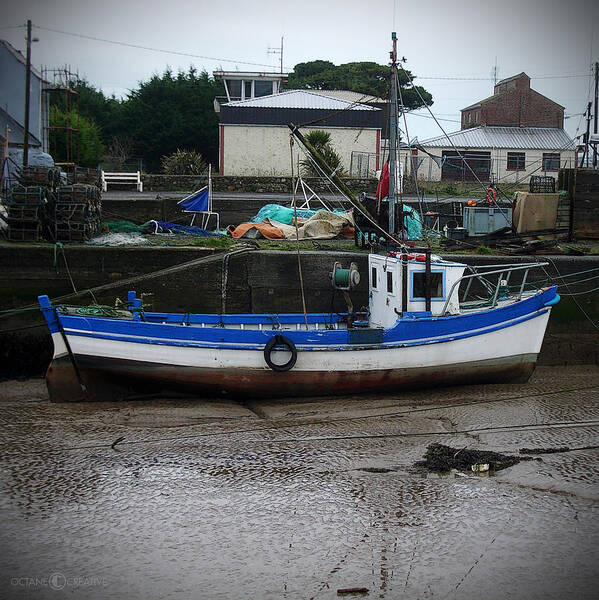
{"type": "Point", "coordinates": [109, 379]}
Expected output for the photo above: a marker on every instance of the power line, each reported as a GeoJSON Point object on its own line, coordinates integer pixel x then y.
{"type": "Point", "coordinates": [429, 117]}
{"type": "Point", "coordinates": [151, 49]}
{"type": "Point", "coordinates": [458, 78]}
{"type": "Point", "coordinates": [13, 27]}
{"type": "Point", "coordinates": [229, 60]}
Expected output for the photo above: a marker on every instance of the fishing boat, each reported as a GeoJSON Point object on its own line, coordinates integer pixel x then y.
{"type": "Point", "coordinates": [420, 329]}
{"type": "Point", "coordinates": [415, 333]}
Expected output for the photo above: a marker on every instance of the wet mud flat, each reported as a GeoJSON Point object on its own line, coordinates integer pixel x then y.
{"type": "Point", "coordinates": [315, 498]}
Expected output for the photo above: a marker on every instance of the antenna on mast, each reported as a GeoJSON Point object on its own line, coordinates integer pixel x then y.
{"type": "Point", "coordinates": [278, 51]}
{"type": "Point", "coordinates": [495, 73]}
{"type": "Point", "coordinates": [393, 115]}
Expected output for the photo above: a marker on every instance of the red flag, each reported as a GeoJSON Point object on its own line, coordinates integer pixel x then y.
{"type": "Point", "coordinates": [382, 188]}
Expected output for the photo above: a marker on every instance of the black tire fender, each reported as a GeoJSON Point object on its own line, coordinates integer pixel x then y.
{"type": "Point", "coordinates": [280, 340]}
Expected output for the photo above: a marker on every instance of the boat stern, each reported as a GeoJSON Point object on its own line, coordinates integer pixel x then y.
{"type": "Point", "coordinates": [62, 377]}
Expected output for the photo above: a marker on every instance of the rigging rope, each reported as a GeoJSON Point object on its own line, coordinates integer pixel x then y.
{"type": "Point", "coordinates": [299, 260]}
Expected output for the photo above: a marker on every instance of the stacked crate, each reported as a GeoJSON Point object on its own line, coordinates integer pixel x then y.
{"type": "Point", "coordinates": [76, 212]}
{"type": "Point", "coordinates": [26, 210]}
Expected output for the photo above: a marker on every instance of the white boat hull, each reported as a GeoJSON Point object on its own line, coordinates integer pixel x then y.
{"type": "Point", "coordinates": [109, 367]}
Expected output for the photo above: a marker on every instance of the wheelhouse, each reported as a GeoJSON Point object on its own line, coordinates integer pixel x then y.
{"type": "Point", "coordinates": [401, 285]}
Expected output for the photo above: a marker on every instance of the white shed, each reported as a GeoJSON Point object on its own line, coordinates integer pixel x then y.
{"type": "Point", "coordinates": [254, 134]}
{"type": "Point", "coordinates": [507, 154]}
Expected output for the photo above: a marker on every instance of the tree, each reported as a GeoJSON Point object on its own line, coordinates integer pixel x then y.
{"type": "Point", "coordinates": [87, 147]}
{"type": "Point", "coordinates": [118, 153]}
{"type": "Point", "coordinates": [367, 78]}
{"type": "Point", "coordinates": [171, 112]}
{"type": "Point", "coordinates": [91, 103]}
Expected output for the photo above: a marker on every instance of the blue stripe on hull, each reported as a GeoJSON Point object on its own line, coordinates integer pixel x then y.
{"type": "Point", "coordinates": [408, 331]}
{"type": "Point", "coordinates": [320, 347]}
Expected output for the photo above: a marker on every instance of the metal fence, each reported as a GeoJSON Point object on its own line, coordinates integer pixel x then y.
{"type": "Point", "coordinates": [469, 167]}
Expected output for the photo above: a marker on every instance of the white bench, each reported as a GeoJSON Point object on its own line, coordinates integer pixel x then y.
{"type": "Point", "coordinates": [133, 178]}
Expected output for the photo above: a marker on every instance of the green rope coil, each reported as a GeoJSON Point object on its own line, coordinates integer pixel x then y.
{"type": "Point", "coordinates": [97, 310]}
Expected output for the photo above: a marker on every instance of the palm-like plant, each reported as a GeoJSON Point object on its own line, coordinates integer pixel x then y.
{"type": "Point", "coordinates": [321, 141]}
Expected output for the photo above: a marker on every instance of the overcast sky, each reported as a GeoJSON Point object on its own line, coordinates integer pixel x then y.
{"type": "Point", "coordinates": [553, 41]}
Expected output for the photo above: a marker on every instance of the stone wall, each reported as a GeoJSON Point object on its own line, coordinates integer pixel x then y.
{"type": "Point", "coordinates": [232, 211]}
{"type": "Point", "coordinates": [582, 186]}
{"type": "Point", "coordinates": [282, 185]}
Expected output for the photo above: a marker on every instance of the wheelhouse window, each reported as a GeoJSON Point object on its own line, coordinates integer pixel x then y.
{"type": "Point", "coordinates": [516, 161]}
{"type": "Point", "coordinates": [389, 282]}
{"type": "Point", "coordinates": [247, 86]}
{"type": "Point", "coordinates": [419, 286]}
{"type": "Point", "coordinates": [373, 277]}
{"type": "Point", "coordinates": [551, 161]}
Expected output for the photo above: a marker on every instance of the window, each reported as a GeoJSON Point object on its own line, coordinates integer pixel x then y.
{"type": "Point", "coordinates": [418, 285]}
{"type": "Point", "coordinates": [373, 277]}
{"type": "Point", "coordinates": [234, 87]}
{"type": "Point", "coordinates": [262, 88]}
{"type": "Point", "coordinates": [247, 86]}
{"type": "Point", "coordinates": [551, 161]}
{"type": "Point", "coordinates": [389, 282]}
{"type": "Point", "coordinates": [515, 161]}
{"type": "Point", "coordinates": [465, 165]}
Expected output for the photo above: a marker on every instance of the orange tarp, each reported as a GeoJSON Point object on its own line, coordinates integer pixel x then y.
{"type": "Point", "coordinates": [268, 231]}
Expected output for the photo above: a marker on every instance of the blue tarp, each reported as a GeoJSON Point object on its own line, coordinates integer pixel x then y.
{"type": "Point", "coordinates": [412, 222]}
{"type": "Point", "coordinates": [166, 227]}
{"type": "Point", "coordinates": [197, 202]}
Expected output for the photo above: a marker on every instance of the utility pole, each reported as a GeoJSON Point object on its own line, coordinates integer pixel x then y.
{"type": "Point", "coordinates": [585, 154]}
{"type": "Point", "coordinates": [27, 94]}
{"type": "Point", "coordinates": [393, 136]}
{"type": "Point", "coordinates": [595, 114]}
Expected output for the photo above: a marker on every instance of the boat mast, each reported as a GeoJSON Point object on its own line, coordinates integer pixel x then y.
{"type": "Point", "coordinates": [393, 115]}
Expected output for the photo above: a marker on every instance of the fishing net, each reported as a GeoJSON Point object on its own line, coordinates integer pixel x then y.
{"type": "Point", "coordinates": [124, 227]}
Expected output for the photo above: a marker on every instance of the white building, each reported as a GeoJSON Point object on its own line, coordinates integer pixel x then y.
{"type": "Point", "coordinates": [254, 134]}
{"type": "Point", "coordinates": [506, 154]}
{"type": "Point", "coordinates": [12, 100]}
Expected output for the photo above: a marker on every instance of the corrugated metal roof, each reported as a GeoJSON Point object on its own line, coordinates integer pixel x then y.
{"type": "Point", "coordinates": [526, 138]}
{"type": "Point", "coordinates": [300, 99]}
{"type": "Point", "coordinates": [348, 95]}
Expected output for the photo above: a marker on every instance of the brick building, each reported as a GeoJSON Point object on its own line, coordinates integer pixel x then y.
{"type": "Point", "coordinates": [514, 104]}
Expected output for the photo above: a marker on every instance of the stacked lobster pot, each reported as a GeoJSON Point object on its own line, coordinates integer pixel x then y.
{"type": "Point", "coordinates": [48, 177]}
{"type": "Point", "coordinates": [26, 212]}
{"type": "Point", "coordinates": [77, 212]}
{"type": "Point", "coordinates": [40, 207]}
{"type": "Point", "coordinates": [77, 174]}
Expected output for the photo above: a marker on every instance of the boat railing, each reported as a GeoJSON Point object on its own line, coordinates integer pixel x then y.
{"type": "Point", "coordinates": [504, 272]}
